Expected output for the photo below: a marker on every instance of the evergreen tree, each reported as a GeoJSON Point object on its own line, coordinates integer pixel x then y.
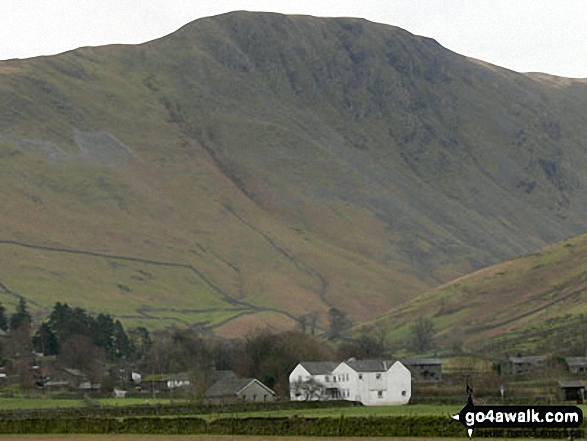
{"type": "Point", "coordinates": [21, 316]}
{"type": "Point", "coordinates": [141, 341]}
{"type": "Point", "coordinates": [123, 345]}
{"type": "Point", "coordinates": [66, 322]}
{"type": "Point", "coordinates": [3, 319]}
{"type": "Point", "coordinates": [45, 341]}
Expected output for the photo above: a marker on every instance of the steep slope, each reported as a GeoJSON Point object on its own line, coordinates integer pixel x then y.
{"type": "Point", "coordinates": [272, 166]}
{"type": "Point", "coordinates": [533, 304]}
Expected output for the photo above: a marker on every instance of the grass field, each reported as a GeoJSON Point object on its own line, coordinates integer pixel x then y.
{"type": "Point", "coordinates": [52, 403]}
{"type": "Point", "coordinates": [417, 409]}
{"type": "Point", "coordinates": [219, 438]}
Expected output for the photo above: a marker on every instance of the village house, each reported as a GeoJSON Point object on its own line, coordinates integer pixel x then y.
{"type": "Point", "coordinates": [371, 382]}
{"type": "Point", "coordinates": [165, 382]}
{"type": "Point", "coordinates": [238, 390]}
{"type": "Point", "coordinates": [523, 365]}
{"type": "Point", "coordinates": [572, 390]}
{"type": "Point", "coordinates": [424, 369]}
{"type": "Point", "coordinates": [311, 381]}
{"type": "Point", "coordinates": [576, 365]}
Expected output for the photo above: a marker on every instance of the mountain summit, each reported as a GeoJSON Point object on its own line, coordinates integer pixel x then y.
{"type": "Point", "coordinates": [251, 169]}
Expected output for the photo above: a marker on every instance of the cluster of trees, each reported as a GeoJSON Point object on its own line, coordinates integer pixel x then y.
{"type": "Point", "coordinates": [78, 338]}
{"type": "Point", "coordinates": [88, 342]}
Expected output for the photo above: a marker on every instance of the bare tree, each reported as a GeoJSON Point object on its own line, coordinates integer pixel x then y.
{"type": "Point", "coordinates": [309, 390]}
{"type": "Point", "coordinates": [422, 335]}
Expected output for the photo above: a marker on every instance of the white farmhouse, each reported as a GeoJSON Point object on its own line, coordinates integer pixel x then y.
{"type": "Point", "coordinates": [371, 382]}
{"type": "Point", "coordinates": [311, 381]}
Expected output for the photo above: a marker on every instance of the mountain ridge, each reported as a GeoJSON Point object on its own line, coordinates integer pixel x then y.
{"type": "Point", "coordinates": [298, 161]}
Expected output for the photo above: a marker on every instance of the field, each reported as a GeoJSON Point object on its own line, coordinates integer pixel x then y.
{"type": "Point", "coordinates": [359, 411]}
{"type": "Point", "coordinates": [200, 437]}
{"type": "Point", "coordinates": [53, 403]}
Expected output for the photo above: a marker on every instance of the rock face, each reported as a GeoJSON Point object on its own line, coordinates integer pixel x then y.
{"type": "Point", "coordinates": [296, 163]}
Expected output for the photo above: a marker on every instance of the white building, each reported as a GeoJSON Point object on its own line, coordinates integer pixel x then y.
{"type": "Point", "coordinates": [311, 381]}
{"type": "Point", "coordinates": [371, 382]}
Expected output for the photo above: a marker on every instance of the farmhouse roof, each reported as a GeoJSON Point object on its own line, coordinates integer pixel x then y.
{"type": "Point", "coordinates": [576, 361]}
{"type": "Point", "coordinates": [370, 365]}
{"type": "Point", "coordinates": [74, 372]}
{"type": "Point", "coordinates": [319, 367]}
{"type": "Point", "coordinates": [531, 359]}
{"type": "Point", "coordinates": [232, 386]}
{"type": "Point", "coordinates": [564, 384]}
{"type": "Point", "coordinates": [421, 361]}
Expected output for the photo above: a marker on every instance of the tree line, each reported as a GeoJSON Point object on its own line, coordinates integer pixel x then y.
{"type": "Point", "coordinates": [88, 342]}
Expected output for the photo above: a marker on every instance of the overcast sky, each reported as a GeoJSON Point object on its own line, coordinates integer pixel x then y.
{"type": "Point", "coordinates": [524, 35]}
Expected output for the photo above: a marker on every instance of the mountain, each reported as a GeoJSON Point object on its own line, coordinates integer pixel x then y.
{"type": "Point", "coordinates": [253, 168]}
{"type": "Point", "coordinates": [534, 304]}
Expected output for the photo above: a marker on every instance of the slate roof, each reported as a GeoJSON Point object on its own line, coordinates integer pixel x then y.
{"type": "Point", "coordinates": [576, 361]}
{"type": "Point", "coordinates": [231, 387]}
{"type": "Point", "coordinates": [319, 367]}
{"type": "Point", "coordinates": [370, 365]}
{"type": "Point", "coordinates": [563, 384]}
{"type": "Point", "coordinates": [532, 359]}
{"type": "Point", "coordinates": [421, 361]}
{"type": "Point", "coordinates": [74, 372]}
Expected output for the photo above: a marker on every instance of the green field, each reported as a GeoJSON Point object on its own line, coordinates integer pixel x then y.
{"type": "Point", "coordinates": [54, 403]}
{"type": "Point", "coordinates": [202, 438]}
{"type": "Point", "coordinates": [358, 411]}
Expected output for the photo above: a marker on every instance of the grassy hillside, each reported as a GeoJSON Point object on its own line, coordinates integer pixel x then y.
{"type": "Point", "coordinates": [535, 304]}
{"type": "Point", "coordinates": [253, 168]}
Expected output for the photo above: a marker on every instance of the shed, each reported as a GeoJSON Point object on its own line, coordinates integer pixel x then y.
{"type": "Point", "coordinates": [573, 390]}
{"type": "Point", "coordinates": [523, 365]}
{"type": "Point", "coordinates": [576, 364]}
{"type": "Point", "coordinates": [424, 369]}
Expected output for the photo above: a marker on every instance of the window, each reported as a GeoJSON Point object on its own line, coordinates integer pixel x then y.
{"type": "Point", "coordinates": [403, 393]}
{"type": "Point", "coordinates": [327, 378]}
{"type": "Point", "coordinates": [347, 377]}
{"type": "Point", "coordinates": [379, 394]}
{"type": "Point", "coordinates": [378, 376]}
{"type": "Point", "coordinates": [360, 376]}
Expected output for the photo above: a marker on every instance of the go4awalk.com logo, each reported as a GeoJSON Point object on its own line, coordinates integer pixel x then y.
{"type": "Point", "coordinates": [519, 417]}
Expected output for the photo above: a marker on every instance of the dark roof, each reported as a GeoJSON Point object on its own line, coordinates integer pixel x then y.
{"type": "Point", "coordinates": [576, 361]}
{"type": "Point", "coordinates": [319, 367]}
{"type": "Point", "coordinates": [232, 386]}
{"type": "Point", "coordinates": [370, 365]}
{"type": "Point", "coordinates": [74, 372]}
{"type": "Point", "coordinates": [528, 360]}
{"type": "Point", "coordinates": [421, 361]}
{"type": "Point", "coordinates": [563, 384]}
{"type": "Point", "coordinates": [224, 374]}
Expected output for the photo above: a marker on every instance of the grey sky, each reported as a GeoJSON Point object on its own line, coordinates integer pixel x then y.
{"type": "Point", "coordinates": [523, 35]}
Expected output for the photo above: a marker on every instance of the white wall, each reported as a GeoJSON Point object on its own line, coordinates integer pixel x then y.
{"type": "Point", "coordinates": [393, 387]}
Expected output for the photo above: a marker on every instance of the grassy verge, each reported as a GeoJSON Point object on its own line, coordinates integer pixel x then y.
{"type": "Point", "coordinates": [359, 411]}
